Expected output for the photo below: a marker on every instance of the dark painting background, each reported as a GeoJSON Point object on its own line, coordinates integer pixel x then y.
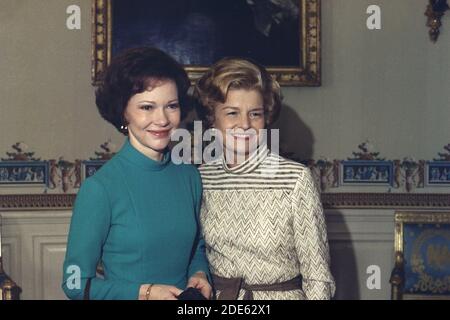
{"type": "Point", "coordinates": [199, 32]}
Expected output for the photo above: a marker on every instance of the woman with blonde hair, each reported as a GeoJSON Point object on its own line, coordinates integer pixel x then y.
{"type": "Point", "coordinates": [261, 215]}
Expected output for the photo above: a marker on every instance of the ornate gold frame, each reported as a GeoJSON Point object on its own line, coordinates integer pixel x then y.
{"type": "Point", "coordinates": [310, 75]}
{"type": "Point", "coordinates": [397, 278]}
{"type": "Point", "coordinates": [329, 200]}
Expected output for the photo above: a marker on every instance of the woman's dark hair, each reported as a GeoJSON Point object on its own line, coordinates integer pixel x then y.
{"type": "Point", "coordinates": [132, 72]}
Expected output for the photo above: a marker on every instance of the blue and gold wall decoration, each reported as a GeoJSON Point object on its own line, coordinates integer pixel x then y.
{"type": "Point", "coordinates": [438, 173]}
{"type": "Point", "coordinates": [90, 167]}
{"type": "Point", "coordinates": [23, 173]}
{"type": "Point", "coordinates": [422, 255]}
{"type": "Point", "coordinates": [427, 258]}
{"type": "Point", "coordinates": [20, 168]}
{"type": "Point", "coordinates": [365, 168]}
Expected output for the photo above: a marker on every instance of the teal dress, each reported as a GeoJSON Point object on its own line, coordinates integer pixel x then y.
{"type": "Point", "coordinates": [140, 218]}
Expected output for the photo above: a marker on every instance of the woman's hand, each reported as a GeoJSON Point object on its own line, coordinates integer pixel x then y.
{"type": "Point", "coordinates": [159, 292]}
{"type": "Point", "coordinates": [200, 281]}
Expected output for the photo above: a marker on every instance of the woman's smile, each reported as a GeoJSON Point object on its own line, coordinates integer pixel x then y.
{"type": "Point", "coordinates": [160, 133]}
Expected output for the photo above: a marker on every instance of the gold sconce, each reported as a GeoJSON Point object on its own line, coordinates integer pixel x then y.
{"type": "Point", "coordinates": [435, 10]}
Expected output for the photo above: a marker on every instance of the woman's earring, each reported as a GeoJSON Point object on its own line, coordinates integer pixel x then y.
{"type": "Point", "coordinates": [124, 129]}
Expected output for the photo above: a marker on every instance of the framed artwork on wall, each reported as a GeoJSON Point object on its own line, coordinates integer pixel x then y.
{"type": "Point", "coordinates": [422, 255]}
{"type": "Point", "coordinates": [283, 35]}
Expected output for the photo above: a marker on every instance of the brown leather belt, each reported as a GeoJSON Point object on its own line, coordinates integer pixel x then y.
{"type": "Point", "coordinates": [230, 287]}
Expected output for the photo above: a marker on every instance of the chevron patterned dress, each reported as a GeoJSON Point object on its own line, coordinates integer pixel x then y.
{"type": "Point", "coordinates": [263, 221]}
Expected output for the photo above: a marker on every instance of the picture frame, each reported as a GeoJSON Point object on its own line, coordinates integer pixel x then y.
{"type": "Point", "coordinates": [422, 255]}
{"type": "Point", "coordinates": [292, 61]}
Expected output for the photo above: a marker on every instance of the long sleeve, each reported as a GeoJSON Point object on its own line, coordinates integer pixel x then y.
{"type": "Point", "coordinates": [311, 239]}
{"type": "Point", "coordinates": [91, 220]}
{"type": "Point", "coordinates": [199, 261]}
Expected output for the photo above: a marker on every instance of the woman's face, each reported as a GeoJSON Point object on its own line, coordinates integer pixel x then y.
{"type": "Point", "coordinates": [240, 120]}
{"type": "Point", "coordinates": [152, 116]}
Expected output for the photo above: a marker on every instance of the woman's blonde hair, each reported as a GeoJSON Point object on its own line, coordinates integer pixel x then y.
{"type": "Point", "coordinates": [236, 73]}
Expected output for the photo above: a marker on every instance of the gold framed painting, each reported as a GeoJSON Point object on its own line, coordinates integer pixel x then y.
{"type": "Point", "coordinates": [422, 256]}
{"type": "Point", "coordinates": [283, 35]}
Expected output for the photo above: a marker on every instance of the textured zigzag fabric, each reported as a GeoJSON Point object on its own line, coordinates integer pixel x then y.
{"type": "Point", "coordinates": [263, 221]}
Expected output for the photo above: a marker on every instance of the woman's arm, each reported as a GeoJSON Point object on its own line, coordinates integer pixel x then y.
{"type": "Point", "coordinates": [199, 262]}
{"type": "Point", "coordinates": [89, 227]}
{"type": "Point", "coordinates": [311, 240]}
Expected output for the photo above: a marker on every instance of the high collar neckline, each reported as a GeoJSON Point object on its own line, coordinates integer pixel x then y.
{"type": "Point", "coordinates": [249, 165]}
{"type": "Point", "coordinates": [138, 158]}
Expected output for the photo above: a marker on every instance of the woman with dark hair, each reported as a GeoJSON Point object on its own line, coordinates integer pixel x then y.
{"type": "Point", "coordinates": [261, 217]}
{"type": "Point", "coordinates": [138, 214]}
